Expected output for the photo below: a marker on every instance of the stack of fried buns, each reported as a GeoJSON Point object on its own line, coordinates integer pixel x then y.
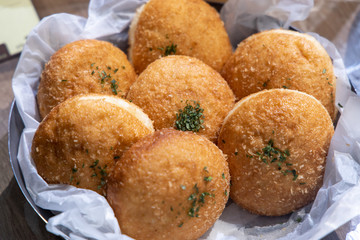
{"type": "Point", "coordinates": [163, 146]}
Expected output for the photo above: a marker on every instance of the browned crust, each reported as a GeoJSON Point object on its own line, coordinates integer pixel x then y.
{"type": "Point", "coordinates": [146, 193]}
{"type": "Point", "coordinates": [193, 25]}
{"type": "Point", "coordinates": [282, 59]}
{"type": "Point", "coordinates": [80, 132]}
{"type": "Point", "coordinates": [292, 120]}
{"type": "Point", "coordinates": [76, 68]}
{"type": "Point", "coordinates": [165, 86]}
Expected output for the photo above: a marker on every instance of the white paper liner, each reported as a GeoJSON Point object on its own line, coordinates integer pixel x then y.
{"type": "Point", "coordinates": [84, 214]}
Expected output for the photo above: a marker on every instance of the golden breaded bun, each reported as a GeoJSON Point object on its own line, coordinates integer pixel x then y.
{"type": "Point", "coordinates": [80, 139]}
{"type": "Point", "coordinates": [169, 185]}
{"type": "Point", "coordinates": [282, 59]}
{"type": "Point", "coordinates": [171, 83]}
{"type": "Point", "coordinates": [276, 142]}
{"type": "Point", "coordinates": [81, 67]}
{"type": "Point", "coordinates": [182, 27]}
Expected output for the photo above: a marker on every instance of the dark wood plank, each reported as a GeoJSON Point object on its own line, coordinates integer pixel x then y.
{"type": "Point", "coordinates": [47, 7]}
{"type": "Point", "coordinates": [18, 220]}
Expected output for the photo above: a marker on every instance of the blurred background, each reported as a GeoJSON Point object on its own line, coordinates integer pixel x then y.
{"type": "Point", "coordinates": [336, 20]}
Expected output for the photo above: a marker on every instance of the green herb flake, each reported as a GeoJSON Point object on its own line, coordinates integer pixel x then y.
{"type": "Point", "coordinates": [286, 87]}
{"type": "Point", "coordinates": [169, 50]}
{"type": "Point", "coordinates": [115, 71]}
{"type": "Point", "coordinates": [103, 172]}
{"type": "Point", "coordinates": [205, 169]}
{"type": "Point", "coordinates": [202, 197]}
{"type": "Point", "coordinates": [183, 187]}
{"type": "Point", "coordinates": [190, 118]}
{"type": "Point", "coordinates": [324, 71]}
{"type": "Point", "coordinates": [181, 224]}
{"type": "Point", "coordinates": [223, 141]}
{"type": "Point", "coordinates": [150, 49]}
{"type": "Point", "coordinates": [77, 183]}
{"type": "Point", "coordinates": [294, 174]}
{"type": "Point", "coordinates": [272, 154]}
{"type": "Point", "coordinates": [102, 183]}
{"type": "Point", "coordinates": [191, 212]}
{"type": "Point", "coordinates": [74, 170]}
{"type": "Point", "coordinates": [93, 71]}
{"type": "Point", "coordinates": [236, 153]}
{"type": "Point", "coordinates": [109, 68]}
{"type": "Point", "coordinates": [330, 83]}
{"type": "Point", "coordinates": [266, 83]}
{"type": "Point", "coordinates": [223, 175]}
{"type": "Point", "coordinates": [208, 179]}
{"type": "Point", "coordinates": [114, 86]}
{"type": "Point", "coordinates": [116, 157]}
{"type": "Point", "coordinates": [287, 153]}
{"type": "Point", "coordinates": [339, 104]}
{"type": "Point", "coordinates": [92, 65]}
{"type": "Point", "coordinates": [298, 219]}
{"type": "Point", "coordinates": [196, 188]}
{"type": "Point", "coordinates": [95, 163]}
{"type": "Point", "coordinates": [192, 197]}
{"type": "Point", "coordinates": [302, 183]}
{"type": "Point", "coordinates": [226, 192]}
{"type": "Point", "coordinates": [64, 80]}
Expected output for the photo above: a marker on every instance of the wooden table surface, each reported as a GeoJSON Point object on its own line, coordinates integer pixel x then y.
{"type": "Point", "coordinates": [17, 219]}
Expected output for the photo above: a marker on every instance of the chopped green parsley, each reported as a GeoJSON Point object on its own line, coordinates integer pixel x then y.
{"type": "Point", "coordinates": [114, 86]}
{"type": "Point", "coordinates": [190, 118]}
{"type": "Point", "coordinates": [271, 154]}
{"type": "Point", "coordinates": [169, 50]}
{"type": "Point", "coordinates": [208, 179]}
{"type": "Point", "coordinates": [197, 200]}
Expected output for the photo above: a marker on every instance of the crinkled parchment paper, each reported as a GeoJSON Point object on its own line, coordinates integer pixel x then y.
{"type": "Point", "coordinates": [83, 214]}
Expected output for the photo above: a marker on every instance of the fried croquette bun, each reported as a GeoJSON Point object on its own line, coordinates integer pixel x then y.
{"type": "Point", "coordinates": [81, 67]}
{"type": "Point", "coordinates": [181, 27]}
{"type": "Point", "coordinates": [79, 141]}
{"type": "Point", "coordinates": [171, 83]}
{"type": "Point", "coordinates": [276, 142]}
{"type": "Point", "coordinates": [282, 59]}
{"type": "Point", "coordinates": [169, 185]}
